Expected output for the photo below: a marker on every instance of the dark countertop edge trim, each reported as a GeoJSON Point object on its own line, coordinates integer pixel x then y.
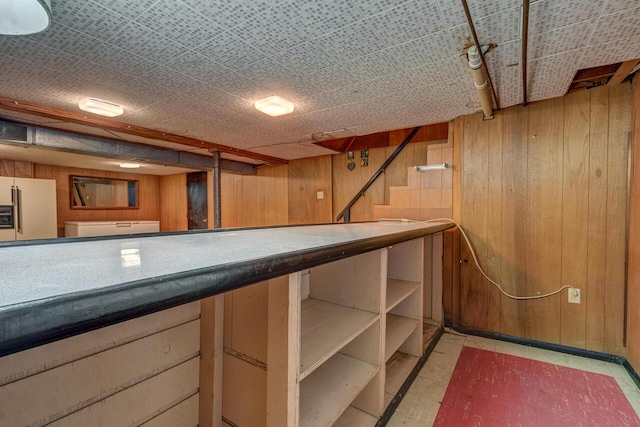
{"type": "Point", "coordinates": [75, 313]}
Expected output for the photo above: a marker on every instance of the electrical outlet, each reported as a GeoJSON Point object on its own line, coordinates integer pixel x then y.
{"type": "Point", "coordinates": [574, 295]}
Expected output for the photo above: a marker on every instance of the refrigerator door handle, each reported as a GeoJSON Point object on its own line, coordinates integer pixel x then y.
{"type": "Point", "coordinates": [13, 195]}
{"type": "Point", "coordinates": [19, 208]}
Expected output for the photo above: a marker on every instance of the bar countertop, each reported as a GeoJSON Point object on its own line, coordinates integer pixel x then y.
{"type": "Point", "coordinates": [54, 290]}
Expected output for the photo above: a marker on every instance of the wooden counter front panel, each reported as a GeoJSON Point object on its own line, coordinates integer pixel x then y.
{"type": "Point", "coordinates": [128, 373]}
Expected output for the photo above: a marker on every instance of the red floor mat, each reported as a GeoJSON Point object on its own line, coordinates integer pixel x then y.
{"type": "Point", "coordinates": [495, 389]}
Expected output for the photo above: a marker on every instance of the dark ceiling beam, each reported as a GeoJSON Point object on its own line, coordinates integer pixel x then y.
{"type": "Point", "coordinates": [479, 47]}
{"type": "Point", "coordinates": [82, 119]}
{"type": "Point", "coordinates": [525, 43]}
{"type": "Point", "coordinates": [432, 132]}
{"type": "Point", "coordinates": [623, 71]}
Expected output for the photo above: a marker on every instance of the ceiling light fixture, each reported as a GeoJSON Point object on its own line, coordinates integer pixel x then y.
{"type": "Point", "coordinates": [129, 165]}
{"type": "Point", "coordinates": [21, 17]}
{"type": "Point", "coordinates": [103, 108]}
{"type": "Point", "coordinates": [439, 166]}
{"type": "Point", "coordinates": [274, 106]}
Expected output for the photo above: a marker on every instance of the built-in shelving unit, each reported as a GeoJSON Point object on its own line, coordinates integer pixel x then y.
{"type": "Point", "coordinates": [331, 334]}
{"type": "Point", "coordinates": [404, 306]}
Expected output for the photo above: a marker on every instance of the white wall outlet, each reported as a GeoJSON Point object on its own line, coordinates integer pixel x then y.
{"type": "Point", "coordinates": [574, 295]}
{"type": "Point", "coordinates": [320, 195]}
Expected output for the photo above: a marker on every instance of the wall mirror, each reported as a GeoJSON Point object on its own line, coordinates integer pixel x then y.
{"type": "Point", "coordinates": [103, 193]}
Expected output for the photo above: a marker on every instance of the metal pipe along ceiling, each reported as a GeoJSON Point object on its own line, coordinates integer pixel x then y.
{"type": "Point", "coordinates": [525, 39]}
{"type": "Point", "coordinates": [478, 47]}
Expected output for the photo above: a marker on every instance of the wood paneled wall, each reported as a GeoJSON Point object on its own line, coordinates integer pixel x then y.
{"type": "Point", "coordinates": [173, 202]}
{"type": "Point", "coordinates": [306, 178]}
{"type": "Point", "coordinates": [148, 197]}
{"type": "Point", "coordinates": [254, 200]}
{"type": "Point", "coordinates": [543, 197]}
{"type": "Point", "coordinates": [16, 169]}
{"type": "Point", "coordinates": [633, 275]}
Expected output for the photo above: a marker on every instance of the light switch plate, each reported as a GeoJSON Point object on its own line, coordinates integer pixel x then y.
{"type": "Point", "coordinates": [574, 295]}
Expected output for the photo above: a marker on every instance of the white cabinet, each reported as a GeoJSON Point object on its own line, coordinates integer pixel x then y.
{"type": "Point", "coordinates": [108, 228]}
{"type": "Point", "coordinates": [33, 205]}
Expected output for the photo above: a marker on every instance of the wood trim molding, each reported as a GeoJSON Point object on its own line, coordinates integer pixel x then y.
{"type": "Point", "coordinates": [82, 119]}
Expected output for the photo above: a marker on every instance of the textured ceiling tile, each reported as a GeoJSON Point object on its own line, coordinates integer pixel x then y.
{"type": "Point", "coordinates": [294, 22]}
{"type": "Point", "coordinates": [453, 12]}
{"type": "Point", "coordinates": [235, 84]}
{"type": "Point", "coordinates": [619, 25]}
{"type": "Point", "coordinates": [620, 5]}
{"type": "Point", "coordinates": [347, 43]}
{"type": "Point", "coordinates": [38, 55]}
{"type": "Point", "coordinates": [229, 12]}
{"type": "Point", "coordinates": [88, 17]}
{"type": "Point", "coordinates": [285, 81]}
{"type": "Point", "coordinates": [144, 42]}
{"type": "Point", "coordinates": [551, 76]}
{"type": "Point", "coordinates": [174, 19]}
{"type": "Point", "coordinates": [612, 52]}
{"type": "Point", "coordinates": [406, 22]}
{"type": "Point", "coordinates": [372, 7]}
{"type": "Point", "coordinates": [431, 48]}
{"type": "Point", "coordinates": [217, 97]}
{"type": "Point", "coordinates": [560, 39]}
{"type": "Point", "coordinates": [195, 65]}
{"type": "Point", "coordinates": [549, 14]}
{"type": "Point", "coordinates": [433, 72]}
{"type": "Point", "coordinates": [503, 55]}
{"type": "Point", "coordinates": [508, 83]}
{"type": "Point", "coordinates": [169, 79]}
{"type": "Point", "coordinates": [128, 8]}
{"type": "Point", "coordinates": [65, 39]}
{"type": "Point", "coordinates": [498, 28]}
{"type": "Point", "coordinates": [159, 111]}
{"type": "Point", "coordinates": [90, 71]}
{"type": "Point", "coordinates": [120, 60]}
{"type": "Point", "coordinates": [230, 50]}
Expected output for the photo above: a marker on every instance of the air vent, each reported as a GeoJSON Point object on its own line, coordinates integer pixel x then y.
{"type": "Point", "coordinates": [12, 132]}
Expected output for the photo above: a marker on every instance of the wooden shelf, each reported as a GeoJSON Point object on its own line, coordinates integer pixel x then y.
{"type": "Point", "coordinates": [398, 290]}
{"type": "Point", "coordinates": [326, 393]}
{"type": "Point", "coordinates": [325, 329]}
{"type": "Point", "coordinates": [355, 417]}
{"type": "Point", "coordinates": [398, 330]}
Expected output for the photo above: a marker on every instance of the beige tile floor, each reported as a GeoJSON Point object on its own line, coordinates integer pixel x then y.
{"type": "Point", "coordinates": [421, 403]}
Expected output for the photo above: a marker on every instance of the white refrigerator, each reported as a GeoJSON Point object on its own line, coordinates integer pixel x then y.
{"type": "Point", "coordinates": [27, 209]}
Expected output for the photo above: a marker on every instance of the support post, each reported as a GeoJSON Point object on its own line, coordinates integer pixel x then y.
{"type": "Point", "coordinates": [217, 210]}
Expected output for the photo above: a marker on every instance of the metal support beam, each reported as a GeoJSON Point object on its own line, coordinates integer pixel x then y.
{"type": "Point", "coordinates": [217, 199]}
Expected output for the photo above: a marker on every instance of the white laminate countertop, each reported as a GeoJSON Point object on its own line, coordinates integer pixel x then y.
{"type": "Point", "coordinates": [33, 272]}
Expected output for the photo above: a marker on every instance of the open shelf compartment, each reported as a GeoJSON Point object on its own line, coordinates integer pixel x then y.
{"type": "Point", "coordinates": [399, 328]}
{"type": "Point", "coordinates": [328, 391]}
{"type": "Point", "coordinates": [325, 329]}
{"type": "Point", "coordinates": [398, 290]}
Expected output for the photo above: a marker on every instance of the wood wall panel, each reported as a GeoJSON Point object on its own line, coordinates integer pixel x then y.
{"type": "Point", "coordinates": [515, 126]}
{"type": "Point", "coordinates": [173, 202]}
{"type": "Point", "coordinates": [618, 167]}
{"type": "Point", "coordinates": [306, 178]}
{"type": "Point", "coordinates": [475, 173]}
{"type": "Point", "coordinates": [633, 275]}
{"type": "Point", "coordinates": [255, 200]}
{"type": "Point", "coordinates": [575, 212]}
{"type": "Point", "coordinates": [543, 197]}
{"type": "Point", "coordinates": [544, 217]}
